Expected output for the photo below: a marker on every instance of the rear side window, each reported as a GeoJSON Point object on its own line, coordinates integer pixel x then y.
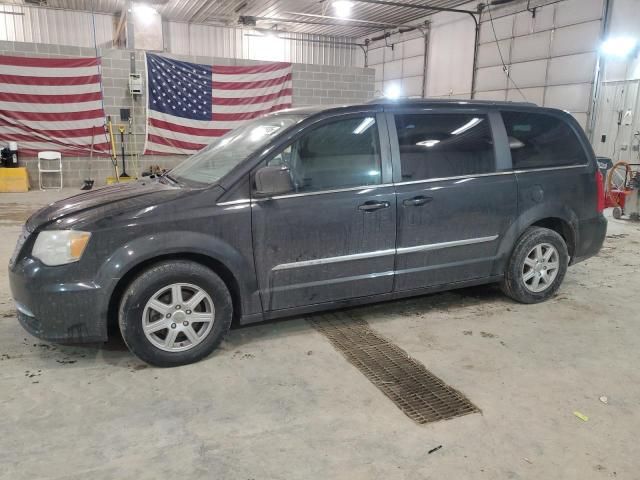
{"type": "Point", "coordinates": [441, 145]}
{"type": "Point", "coordinates": [340, 154]}
{"type": "Point", "coordinates": [538, 140]}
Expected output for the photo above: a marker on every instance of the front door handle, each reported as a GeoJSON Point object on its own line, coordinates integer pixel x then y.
{"type": "Point", "coordinates": [373, 205]}
{"type": "Point", "coordinates": [416, 201]}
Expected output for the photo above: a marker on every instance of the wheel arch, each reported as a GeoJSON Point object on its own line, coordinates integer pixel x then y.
{"type": "Point", "coordinates": [562, 228]}
{"type": "Point", "coordinates": [556, 217]}
{"type": "Point", "coordinates": [234, 266]}
{"type": "Point", "coordinates": [218, 267]}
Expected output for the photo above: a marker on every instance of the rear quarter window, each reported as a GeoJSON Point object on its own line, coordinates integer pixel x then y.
{"type": "Point", "coordinates": [539, 140]}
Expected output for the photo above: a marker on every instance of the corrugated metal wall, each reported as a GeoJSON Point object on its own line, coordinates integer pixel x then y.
{"type": "Point", "coordinates": [229, 42]}
{"type": "Point", "coordinates": [55, 27]}
{"type": "Point", "coordinates": [64, 27]}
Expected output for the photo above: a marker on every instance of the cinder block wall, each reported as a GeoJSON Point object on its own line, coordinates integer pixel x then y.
{"type": "Point", "coordinates": [312, 85]}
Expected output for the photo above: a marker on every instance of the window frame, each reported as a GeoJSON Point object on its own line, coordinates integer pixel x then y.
{"type": "Point", "coordinates": [570, 123]}
{"type": "Point", "coordinates": [385, 152]}
{"type": "Point", "coordinates": [498, 133]}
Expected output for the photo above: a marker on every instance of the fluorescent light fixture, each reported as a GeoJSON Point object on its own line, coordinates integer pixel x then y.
{"type": "Point", "coordinates": [143, 10]}
{"type": "Point", "coordinates": [342, 8]}
{"type": "Point", "coordinates": [393, 91]}
{"type": "Point", "coordinates": [428, 143]}
{"type": "Point", "coordinates": [364, 125]}
{"type": "Point", "coordinates": [470, 124]}
{"type": "Point", "coordinates": [619, 47]}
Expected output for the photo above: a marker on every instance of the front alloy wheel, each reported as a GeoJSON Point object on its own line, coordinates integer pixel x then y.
{"type": "Point", "coordinates": [178, 317]}
{"type": "Point", "coordinates": [175, 312]}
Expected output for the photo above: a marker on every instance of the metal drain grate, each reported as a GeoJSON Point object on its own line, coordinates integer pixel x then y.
{"type": "Point", "coordinates": [422, 396]}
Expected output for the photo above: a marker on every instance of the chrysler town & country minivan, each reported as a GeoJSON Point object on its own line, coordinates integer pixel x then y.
{"type": "Point", "coordinates": [310, 209]}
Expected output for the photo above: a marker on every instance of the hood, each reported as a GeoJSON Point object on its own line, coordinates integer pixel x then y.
{"type": "Point", "coordinates": [119, 197]}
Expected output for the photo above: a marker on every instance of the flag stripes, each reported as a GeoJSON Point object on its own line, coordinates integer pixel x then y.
{"type": "Point", "coordinates": [52, 104]}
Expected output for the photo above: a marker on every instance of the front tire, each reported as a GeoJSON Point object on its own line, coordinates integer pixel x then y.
{"type": "Point", "coordinates": [175, 313]}
{"type": "Point", "coordinates": [537, 266]}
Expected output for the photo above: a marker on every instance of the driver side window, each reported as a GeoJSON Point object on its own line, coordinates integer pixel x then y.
{"type": "Point", "coordinates": [340, 154]}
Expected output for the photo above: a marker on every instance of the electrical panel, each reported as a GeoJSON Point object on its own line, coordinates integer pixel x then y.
{"type": "Point", "coordinates": [135, 84]}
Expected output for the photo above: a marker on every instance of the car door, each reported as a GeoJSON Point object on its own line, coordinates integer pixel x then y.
{"type": "Point", "coordinates": [456, 195]}
{"type": "Point", "coordinates": [333, 236]}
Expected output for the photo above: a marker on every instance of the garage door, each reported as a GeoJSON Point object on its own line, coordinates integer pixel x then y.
{"type": "Point", "coordinates": [550, 56]}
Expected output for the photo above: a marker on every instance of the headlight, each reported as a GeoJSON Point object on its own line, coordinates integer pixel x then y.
{"type": "Point", "coordinates": [58, 247]}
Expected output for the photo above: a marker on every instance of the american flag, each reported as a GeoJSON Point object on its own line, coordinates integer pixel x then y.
{"type": "Point", "coordinates": [190, 104]}
{"type": "Point", "coordinates": [52, 104]}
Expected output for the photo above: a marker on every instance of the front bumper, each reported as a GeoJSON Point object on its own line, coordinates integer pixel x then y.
{"type": "Point", "coordinates": [57, 311]}
{"type": "Point", "coordinates": [591, 235]}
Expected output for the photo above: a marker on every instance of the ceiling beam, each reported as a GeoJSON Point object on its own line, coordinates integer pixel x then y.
{"type": "Point", "coordinates": [312, 22]}
{"type": "Point", "coordinates": [380, 24]}
{"type": "Point", "coordinates": [389, 3]}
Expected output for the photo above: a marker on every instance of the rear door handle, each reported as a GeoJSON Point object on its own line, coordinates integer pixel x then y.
{"type": "Point", "coordinates": [373, 205]}
{"type": "Point", "coordinates": [416, 201]}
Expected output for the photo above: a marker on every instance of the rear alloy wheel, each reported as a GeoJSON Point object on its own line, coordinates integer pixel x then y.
{"type": "Point", "coordinates": [175, 313]}
{"type": "Point", "coordinates": [540, 267]}
{"type": "Point", "coordinates": [537, 266]}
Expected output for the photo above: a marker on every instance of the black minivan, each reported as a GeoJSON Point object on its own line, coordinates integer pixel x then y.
{"type": "Point", "coordinates": [309, 209]}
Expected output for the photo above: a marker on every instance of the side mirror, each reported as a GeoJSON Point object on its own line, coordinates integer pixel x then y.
{"type": "Point", "coordinates": [273, 180]}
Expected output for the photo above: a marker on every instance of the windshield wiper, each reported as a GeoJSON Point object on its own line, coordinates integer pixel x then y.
{"type": "Point", "coordinates": [169, 177]}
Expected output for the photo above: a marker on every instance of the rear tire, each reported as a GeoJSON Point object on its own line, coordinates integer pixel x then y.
{"type": "Point", "coordinates": [175, 313]}
{"type": "Point", "coordinates": [537, 266]}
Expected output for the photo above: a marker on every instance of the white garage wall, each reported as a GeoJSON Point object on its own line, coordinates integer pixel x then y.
{"type": "Point", "coordinates": [55, 27]}
{"type": "Point", "coordinates": [550, 58]}
{"type": "Point", "coordinates": [401, 65]}
{"type": "Point", "coordinates": [616, 133]}
{"type": "Point", "coordinates": [449, 60]}
{"type": "Point", "coordinates": [229, 42]}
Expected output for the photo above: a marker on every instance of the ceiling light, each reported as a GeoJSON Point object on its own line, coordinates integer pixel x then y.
{"type": "Point", "coordinates": [342, 8]}
{"type": "Point", "coordinates": [470, 124]}
{"type": "Point", "coordinates": [364, 125]}
{"type": "Point", "coordinates": [393, 91]}
{"type": "Point", "coordinates": [143, 10]}
{"type": "Point", "coordinates": [619, 47]}
{"type": "Point", "coordinates": [428, 143]}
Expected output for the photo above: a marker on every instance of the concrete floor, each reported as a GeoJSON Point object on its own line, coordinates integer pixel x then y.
{"type": "Point", "coordinates": [276, 401]}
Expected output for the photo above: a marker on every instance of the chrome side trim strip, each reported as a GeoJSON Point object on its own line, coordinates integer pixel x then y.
{"type": "Point", "coordinates": [234, 202]}
{"type": "Point", "coordinates": [459, 177]}
{"type": "Point", "coordinates": [438, 246]}
{"type": "Point", "coordinates": [341, 258]}
{"type": "Point", "coordinates": [368, 276]}
{"type": "Point", "coordinates": [566, 167]}
{"type": "Point", "coordinates": [444, 265]}
{"type": "Point", "coordinates": [383, 253]}
{"type": "Point", "coordinates": [323, 192]}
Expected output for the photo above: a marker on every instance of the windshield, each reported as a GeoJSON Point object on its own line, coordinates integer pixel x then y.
{"type": "Point", "coordinates": [218, 158]}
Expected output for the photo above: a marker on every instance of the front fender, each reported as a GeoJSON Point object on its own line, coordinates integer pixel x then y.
{"type": "Point", "coordinates": [527, 218]}
{"type": "Point", "coordinates": [147, 247]}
